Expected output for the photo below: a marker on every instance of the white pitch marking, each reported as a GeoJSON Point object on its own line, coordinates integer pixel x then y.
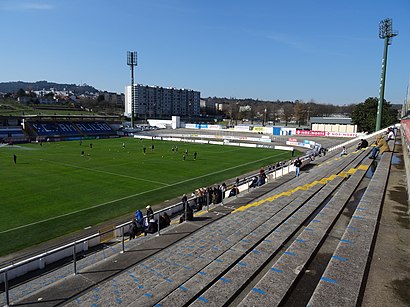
{"type": "Point", "coordinates": [127, 197]}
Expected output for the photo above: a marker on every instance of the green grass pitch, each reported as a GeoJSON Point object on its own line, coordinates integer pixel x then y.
{"type": "Point", "coordinates": [53, 189]}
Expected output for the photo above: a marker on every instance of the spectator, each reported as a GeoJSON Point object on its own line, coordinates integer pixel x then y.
{"type": "Point", "coordinates": [223, 189]}
{"type": "Point", "coordinates": [362, 144]}
{"type": "Point", "coordinates": [390, 134]}
{"type": "Point", "coordinates": [254, 182]}
{"type": "Point", "coordinates": [167, 219]}
{"type": "Point", "coordinates": [140, 219]}
{"type": "Point", "coordinates": [298, 164]}
{"type": "Point", "coordinates": [234, 192]}
{"type": "Point", "coordinates": [189, 213]}
{"type": "Point", "coordinates": [133, 229]}
{"type": "Point", "coordinates": [214, 195]}
{"type": "Point", "coordinates": [261, 177]}
{"type": "Point", "coordinates": [344, 151]}
{"type": "Point", "coordinates": [218, 193]}
{"type": "Point", "coordinates": [184, 199]}
{"type": "Point", "coordinates": [150, 213]}
{"type": "Point", "coordinates": [381, 146]}
{"type": "Point", "coordinates": [152, 226]}
{"type": "Point", "coordinates": [164, 221]}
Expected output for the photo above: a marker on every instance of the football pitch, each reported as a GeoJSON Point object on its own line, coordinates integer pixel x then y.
{"type": "Point", "coordinates": [60, 187]}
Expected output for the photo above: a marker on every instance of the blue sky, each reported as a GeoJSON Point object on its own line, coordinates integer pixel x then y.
{"type": "Point", "coordinates": [322, 50]}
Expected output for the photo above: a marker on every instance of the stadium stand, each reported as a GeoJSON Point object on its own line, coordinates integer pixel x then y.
{"type": "Point", "coordinates": [273, 232]}
{"type": "Point", "coordinates": [42, 129]}
{"type": "Point", "coordinates": [13, 134]}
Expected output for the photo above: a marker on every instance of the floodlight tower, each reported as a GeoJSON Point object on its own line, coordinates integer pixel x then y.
{"type": "Point", "coordinates": [131, 62]}
{"type": "Point", "coordinates": [385, 32]}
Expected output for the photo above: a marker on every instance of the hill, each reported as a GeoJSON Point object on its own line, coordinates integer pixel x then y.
{"type": "Point", "coordinates": [14, 86]}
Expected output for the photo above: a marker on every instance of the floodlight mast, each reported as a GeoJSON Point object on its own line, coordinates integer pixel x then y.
{"type": "Point", "coordinates": [385, 32]}
{"type": "Point", "coordinates": [131, 62]}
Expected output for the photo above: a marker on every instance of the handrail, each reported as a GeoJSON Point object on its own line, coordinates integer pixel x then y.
{"type": "Point", "coordinates": [47, 253]}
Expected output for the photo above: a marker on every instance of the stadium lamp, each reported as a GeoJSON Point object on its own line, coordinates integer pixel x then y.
{"type": "Point", "coordinates": [132, 62]}
{"type": "Point", "coordinates": [385, 32]}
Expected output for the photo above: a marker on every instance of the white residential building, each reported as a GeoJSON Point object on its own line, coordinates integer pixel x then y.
{"type": "Point", "coordinates": [160, 102]}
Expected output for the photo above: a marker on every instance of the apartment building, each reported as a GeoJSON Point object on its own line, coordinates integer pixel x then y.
{"type": "Point", "coordinates": [161, 102]}
{"type": "Point", "coordinates": [114, 98]}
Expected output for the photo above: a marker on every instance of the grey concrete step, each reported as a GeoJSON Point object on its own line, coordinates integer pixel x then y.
{"type": "Point", "coordinates": [275, 285]}
{"type": "Point", "coordinates": [344, 276]}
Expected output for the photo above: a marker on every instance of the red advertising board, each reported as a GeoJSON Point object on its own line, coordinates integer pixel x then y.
{"type": "Point", "coordinates": [310, 133]}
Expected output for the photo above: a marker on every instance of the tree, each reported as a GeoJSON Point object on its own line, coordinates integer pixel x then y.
{"type": "Point", "coordinates": [365, 113]}
{"type": "Point", "coordinates": [100, 98]}
{"type": "Point", "coordinates": [300, 112]}
{"type": "Point", "coordinates": [21, 93]}
{"type": "Point", "coordinates": [287, 113]}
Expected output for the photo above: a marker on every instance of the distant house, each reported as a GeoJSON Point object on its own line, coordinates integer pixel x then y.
{"type": "Point", "coordinates": [114, 98]}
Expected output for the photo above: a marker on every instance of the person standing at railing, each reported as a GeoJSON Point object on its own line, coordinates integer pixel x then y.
{"type": "Point", "coordinates": [133, 229]}
{"type": "Point", "coordinates": [261, 177]}
{"type": "Point", "coordinates": [140, 219]}
{"type": "Point", "coordinates": [223, 189]}
{"type": "Point", "coordinates": [184, 199]}
{"type": "Point", "coordinates": [298, 164]}
{"type": "Point", "coordinates": [254, 182]}
{"type": "Point", "coordinates": [150, 213]}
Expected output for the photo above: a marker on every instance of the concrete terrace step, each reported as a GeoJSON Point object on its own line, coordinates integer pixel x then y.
{"type": "Point", "coordinates": [343, 278]}
{"type": "Point", "coordinates": [149, 297]}
{"type": "Point", "coordinates": [222, 292]}
{"type": "Point", "coordinates": [94, 273]}
{"type": "Point", "coordinates": [274, 286]}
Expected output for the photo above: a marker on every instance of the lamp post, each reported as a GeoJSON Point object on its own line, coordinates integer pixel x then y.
{"type": "Point", "coordinates": [385, 32]}
{"type": "Point", "coordinates": [264, 117]}
{"type": "Point", "coordinates": [131, 62]}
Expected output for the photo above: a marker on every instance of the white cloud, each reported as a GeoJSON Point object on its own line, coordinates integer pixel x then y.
{"type": "Point", "coordinates": [37, 6]}
{"type": "Point", "coordinates": [25, 6]}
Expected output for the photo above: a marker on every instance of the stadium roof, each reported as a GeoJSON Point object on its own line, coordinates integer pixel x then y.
{"type": "Point", "coordinates": [331, 120]}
